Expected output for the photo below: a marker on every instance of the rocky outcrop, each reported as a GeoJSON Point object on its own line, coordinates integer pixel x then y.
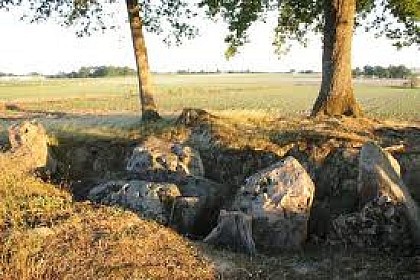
{"type": "Point", "coordinates": [158, 160]}
{"type": "Point", "coordinates": [379, 176]}
{"type": "Point", "coordinates": [196, 209]}
{"type": "Point", "coordinates": [30, 139]}
{"type": "Point", "coordinates": [278, 199]}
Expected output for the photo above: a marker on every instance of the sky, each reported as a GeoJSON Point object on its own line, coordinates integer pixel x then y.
{"type": "Point", "coordinates": [48, 48]}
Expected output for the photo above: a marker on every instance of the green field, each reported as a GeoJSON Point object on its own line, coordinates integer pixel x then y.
{"type": "Point", "coordinates": [272, 94]}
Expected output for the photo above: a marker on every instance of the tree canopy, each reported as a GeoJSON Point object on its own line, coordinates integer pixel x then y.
{"type": "Point", "coordinates": [296, 19]}
{"type": "Point", "coordinates": [168, 18]}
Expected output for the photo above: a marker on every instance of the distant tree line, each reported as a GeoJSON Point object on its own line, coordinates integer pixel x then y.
{"type": "Point", "coordinates": [97, 72]}
{"type": "Point", "coordinates": [6, 74]}
{"type": "Point", "coordinates": [245, 71]}
{"type": "Point", "coordinates": [217, 71]}
{"type": "Point", "coordinates": [393, 72]}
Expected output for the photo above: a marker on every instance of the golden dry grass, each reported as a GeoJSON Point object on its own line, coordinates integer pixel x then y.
{"type": "Point", "coordinates": [45, 235]}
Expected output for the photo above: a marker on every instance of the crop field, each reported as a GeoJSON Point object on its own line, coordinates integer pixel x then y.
{"type": "Point", "coordinates": [267, 94]}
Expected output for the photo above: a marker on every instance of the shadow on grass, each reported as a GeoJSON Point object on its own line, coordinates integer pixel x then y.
{"type": "Point", "coordinates": [404, 87]}
{"type": "Point", "coordinates": [408, 136]}
{"type": "Point", "coordinates": [14, 112]}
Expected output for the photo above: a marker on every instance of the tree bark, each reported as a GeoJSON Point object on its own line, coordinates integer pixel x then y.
{"type": "Point", "coordinates": [148, 105]}
{"type": "Point", "coordinates": [336, 96]}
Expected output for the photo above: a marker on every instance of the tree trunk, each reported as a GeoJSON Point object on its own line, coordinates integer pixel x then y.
{"type": "Point", "coordinates": [148, 106]}
{"type": "Point", "coordinates": [336, 96]}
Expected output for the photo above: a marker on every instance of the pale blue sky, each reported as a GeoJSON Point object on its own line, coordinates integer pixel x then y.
{"type": "Point", "coordinates": [49, 48]}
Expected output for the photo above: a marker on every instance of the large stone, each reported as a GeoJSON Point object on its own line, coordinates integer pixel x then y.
{"type": "Point", "coordinates": [30, 139]}
{"type": "Point", "coordinates": [191, 206]}
{"type": "Point", "coordinates": [279, 200]}
{"type": "Point", "coordinates": [158, 160]}
{"type": "Point", "coordinates": [151, 200]}
{"type": "Point", "coordinates": [379, 176]}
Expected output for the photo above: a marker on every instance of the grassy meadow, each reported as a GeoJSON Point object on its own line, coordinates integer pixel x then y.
{"type": "Point", "coordinates": [270, 94]}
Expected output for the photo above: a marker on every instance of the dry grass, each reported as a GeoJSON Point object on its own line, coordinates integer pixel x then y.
{"type": "Point", "coordinates": [313, 263]}
{"type": "Point", "coordinates": [44, 235]}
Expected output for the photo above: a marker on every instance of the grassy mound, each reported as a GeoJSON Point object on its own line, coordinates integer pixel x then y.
{"type": "Point", "coordinates": [45, 235]}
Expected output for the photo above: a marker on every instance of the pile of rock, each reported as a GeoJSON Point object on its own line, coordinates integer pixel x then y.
{"type": "Point", "coordinates": [270, 212]}
{"type": "Point", "coordinates": [389, 217]}
{"type": "Point", "coordinates": [380, 224]}
{"type": "Point", "coordinates": [158, 160]}
{"type": "Point", "coordinates": [166, 184]}
{"type": "Point", "coordinates": [277, 200]}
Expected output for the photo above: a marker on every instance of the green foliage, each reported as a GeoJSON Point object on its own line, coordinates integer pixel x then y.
{"type": "Point", "coordinates": [295, 20]}
{"type": "Point", "coordinates": [169, 18]}
{"type": "Point", "coordinates": [240, 15]}
{"type": "Point", "coordinates": [395, 19]}
{"type": "Point", "coordinates": [398, 20]}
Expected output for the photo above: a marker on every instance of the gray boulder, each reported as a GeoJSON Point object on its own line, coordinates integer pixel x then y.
{"type": "Point", "coordinates": [159, 160]}
{"type": "Point", "coordinates": [279, 200]}
{"type": "Point", "coordinates": [379, 176]}
{"type": "Point", "coordinates": [191, 206]}
{"type": "Point", "coordinates": [151, 200]}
